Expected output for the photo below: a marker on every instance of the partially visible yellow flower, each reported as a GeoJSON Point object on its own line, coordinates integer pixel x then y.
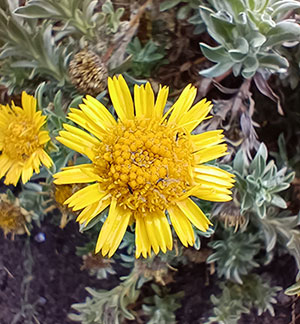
{"type": "Point", "coordinates": [21, 141]}
{"type": "Point", "coordinates": [145, 166]}
{"type": "Point", "coordinates": [12, 216]}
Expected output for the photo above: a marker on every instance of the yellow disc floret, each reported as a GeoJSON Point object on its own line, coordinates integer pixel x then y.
{"type": "Point", "coordinates": [145, 164]}
{"type": "Point", "coordinates": [20, 139]}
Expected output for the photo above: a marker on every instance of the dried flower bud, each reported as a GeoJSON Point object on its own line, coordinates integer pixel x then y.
{"type": "Point", "coordinates": [88, 73]}
{"type": "Point", "coordinates": [12, 216]}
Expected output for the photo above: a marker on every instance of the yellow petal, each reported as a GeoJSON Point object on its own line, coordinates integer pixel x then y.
{"type": "Point", "coordinates": [207, 192]}
{"type": "Point", "coordinates": [195, 115]}
{"type": "Point", "coordinates": [183, 103]}
{"type": "Point", "coordinates": [44, 157]}
{"type": "Point", "coordinates": [144, 101]}
{"type": "Point", "coordinates": [118, 234]}
{"type": "Point", "coordinates": [43, 137]}
{"type": "Point", "coordinates": [207, 139]}
{"type": "Point", "coordinates": [182, 226]}
{"type": "Point", "coordinates": [80, 118]}
{"type": "Point", "coordinates": [13, 174]}
{"type": "Point", "coordinates": [83, 173]}
{"type": "Point", "coordinates": [72, 142]}
{"type": "Point", "coordinates": [91, 211]}
{"type": "Point", "coordinates": [121, 97]}
{"type": "Point", "coordinates": [113, 229]}
{"type": "Point", "coordinates": [27, 170]}
{"type": "Point", "coordinates": [210, 153]}
{"type": "Point", "coordinates": [151, 231]}
{"type": "Point", "coordinates": [5, 164]}
{"type": "Point", "coordinates": [194, 214]}
{"type": "Point", "coordinates": [86, 139]}
{"type": "Point", "coordinates": [100, 110]}
{"type": "Point", "coordinates": [143, 245]}
{"type": "Point", "coordinates": [28, 104]}
{"type": "Point", "coordinates": [85, 197]}
{"type": "Point", "coordinates": [161, 102]}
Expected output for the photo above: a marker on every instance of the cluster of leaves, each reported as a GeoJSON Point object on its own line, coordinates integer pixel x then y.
{"type": "Point", "coordinates": [112, 306]}
{"type": "Point", "coordinates": [236, 299]}
{"type": "Point", "coordinates": [249, 33]}
{"type": "Point", "coordinates": [145, 59]}
{"type": "Point", "coordinates": [35, 49]}
{"type": "Point", "coordinates": [234, 254]}
{"type": "Point", "coordinates": [259, 183]}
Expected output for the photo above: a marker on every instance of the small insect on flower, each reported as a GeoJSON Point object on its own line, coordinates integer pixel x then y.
{"type": "Point", "coordinates": [145, 166]}
{"type": "Point", "coordinates": [22, 141]}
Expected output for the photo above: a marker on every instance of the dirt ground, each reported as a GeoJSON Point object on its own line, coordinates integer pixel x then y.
{"type": "Point", "coordinates": [43, 285]}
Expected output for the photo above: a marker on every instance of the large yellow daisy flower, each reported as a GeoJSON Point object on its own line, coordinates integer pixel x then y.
{"type": "Point", "coordinates": [21, 141]}
{"type": "Point", "coordinates": [144, 166]}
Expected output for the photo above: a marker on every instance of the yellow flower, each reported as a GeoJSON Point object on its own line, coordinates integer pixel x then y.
{"type": "Point", "coordinates": [22, 141]}
{"type": "Point", "coordinates": [143, 165]}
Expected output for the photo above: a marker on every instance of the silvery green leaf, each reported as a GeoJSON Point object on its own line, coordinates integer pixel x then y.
{"type": "Point", "coordinates": [267, 19]}
{"type": "Point", "coordinates": [284, 31]}
{"type": "Point", "coordinates": [88, 8]}
{"type": "Point", "coordinates": [236, 56]}
{"type": "Point", "coordinates": [108, 8]}
{"type": "Point", "coordinates": [214, 54]}
{"type": "Point", "coordinates": [251, 65]}
{"type": "Point", "coordinates": [236, 69]}
{"type": "Point", "coordinates": [239, 163]}
{"type": "Point", "coordinates": [223, 27]}
{"type": "Point", "coordinates": [216, 26]}
{"type": "Point", "coordinates": [24, 63]}
{"type": "Point", "coordinates": [256, 39]}
{"type": "Point", "coordinates": [294, 289]}
{"type": "Point", "coordinates": [247, 202]}
{"type": "Point", "coordinates": [278, 201]}
{"type": "Point", "coordinates": [280, 187]}
{"type": "Point", "coordinates": [263, 152]}
{"type": "Point", "coordinates": [290, 177]}
{"type": "Point", "coordinates": [37, 9]}
{"type": "Point", "coordinates": [216, 70]}
{"type": "Point", "coordinates": [274, 62]}
{"type": "Point", "coordinates": [248, 73]}
{"type": "Point", "coordinates": [260, 199]}
{"type": "Point", "coordinates": [279, 7]}
{"type": "Point", "coordinates": [241, 45]}
{"type": "Point", "coordinates": [261, 211]}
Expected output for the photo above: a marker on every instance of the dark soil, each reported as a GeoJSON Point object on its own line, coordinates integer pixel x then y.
{"type": "Point", "coordinates": [54, 281]}
{"type": "Point", "coordinates": [45, 279]}
{"type": "Point", "coordinates": [198, 286]}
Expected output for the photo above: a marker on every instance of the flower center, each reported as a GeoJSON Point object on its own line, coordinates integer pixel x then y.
{"type": "Point", "coordinates": [145, 165]}
{"type": "Point", "coordinates": [20, 139]}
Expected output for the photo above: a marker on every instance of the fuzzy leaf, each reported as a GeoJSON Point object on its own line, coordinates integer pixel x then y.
{"type": "Point", "coordinates": [215, 54]}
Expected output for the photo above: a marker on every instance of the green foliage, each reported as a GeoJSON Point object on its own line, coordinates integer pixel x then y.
{"type": "Point", "coordinates": [31, 47]}
{"type": "Point", "coordinates": [234, 254]}
{"type": "Point", "coordinates": [281, 227]}
{"type": "Point", "coordinates": [108, 306]}
{"type": "Point", "coordinates": [188, 10]}
{"type": "Point", "coordinates": [260, 182]}
{"type": "Point", "coordinates": [249, 33]}
{"type": "Point", "coordinates": [238, 299]}
{"type": "Point", "coordinates": [295, 288]}
{"type": "Point", "coordinates": [161, 307]}
{"type": "Point", "coordinates": [78, 17]}
{"type": "Point", "coordinates": [145, 59]}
